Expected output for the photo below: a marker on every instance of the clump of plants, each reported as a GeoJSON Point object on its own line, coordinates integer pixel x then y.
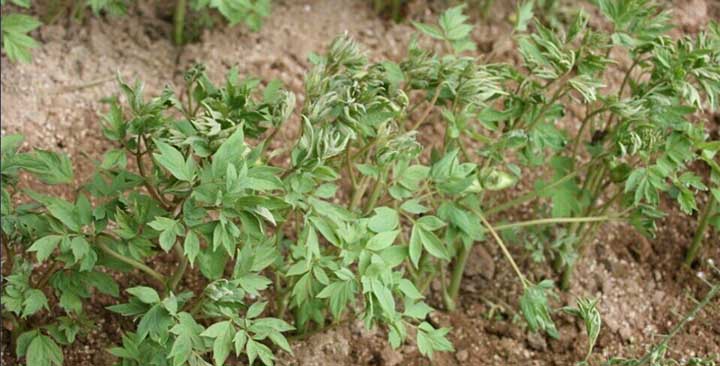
{"type": "Point", "coordinates": [16, 27]}
{"type": "Point", "coordinates": [635, 142]}
{"type": "Point", "coordinates": [357, 216]}
{"type": "Point", "coordinates": [393, 8]}
{"type": "Point", "coordinates": [248, 12]}
{"type": "Point", "coordinates": [16, 41]}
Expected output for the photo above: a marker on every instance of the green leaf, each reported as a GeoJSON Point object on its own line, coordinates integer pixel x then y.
{"type": "Point", "coordinates": [430, 30]}
{"type": "Point", "coordinates": [239, 341]}
{"type": "Point", "coordinates": [385, 219]}
{"type": "Point", "coordinates": [155, 323]}
{"type": "Point", "coordinates": [430, 339]}
{"type": "Point", "coordinates": [223, 334]}
{"type": "Point", "coordinates": [16, 43]}
{"type": "Point", "coordinates": [231, 151]}
{"type": "Point", "coordinates": [187, 333]}
{"type": "Point", "coordinates": [172, 160]}
{"type": "Point", "coordinates": [409, 290]}
{"type": "Point", "coordinates": [587, 311]}
{"type": "Point", "coordinates": [114, 158]}
{"type": "Point", "coordinates": [169, 231]}
{"type": "Point", "coordinates": [212, 263]}
{"type": "Point", "coordinates": [45, 246]}
{"type": "Point", "coordinates": [416, 245]}
{"type": "Point", "coordinates": [191, 246]}
{"type": "Point", "coordinates": [382, 240]}
{"type": "Point", "coordinates": [452, 22]}
{"type": "Point", "coordinates": [524, 15]}
{"type": "Point", "coordinates": [281, 342]}
{"type": "Point", "coordinates": [253, 283]}
{"type": "Point", "coordinates": [80, 247]}
{"type": "Point", "coordinates": [433, 245]}
{"type": "Point", "coordinates": [145, 294]}
{"type": "Point", "coordinates": [418, 310]}
{"type": "Point", "coordinates": [536, 309]}
{"type": "Point", "coordinates": [21, 3]}
{"type": "Point", "coordinates": [103, 282]}
{"type": "Point", "coordinates": [49, 167]}
{"type": "Point", "coordinates": [34, 301]}
{"type": "Point", "coordinates": [43, 351]}
{"type": "Point", "coordinates": [255, 309]}
{"type": "Point", "coordinates": [414, 206]}
{"type": "Point", "coordinates": [413, 176]}
{"type": "Point", "coordinates": [23, 341]}
{"type": "Point", "coordinates": [256, 349]}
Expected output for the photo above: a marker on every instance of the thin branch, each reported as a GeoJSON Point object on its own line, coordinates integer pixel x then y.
{"type": "Point", "coordinates": [141, 169]}
{"type": "Point", "coordinates": [504, 249]}
{"type": "Point", "coordinates": [427, 111]}
{"type": "Point", "coordinates": [132, 262]}
{"type": "Point", "coordinates": [556, 220]}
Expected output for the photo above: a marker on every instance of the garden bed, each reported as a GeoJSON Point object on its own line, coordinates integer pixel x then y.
{"type": "Point", "coordinates": [642, 286]}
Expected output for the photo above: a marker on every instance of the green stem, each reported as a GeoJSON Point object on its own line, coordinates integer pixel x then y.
{"type": "Point", "coordinates": [556, 220]}
{"type": "Point", "coordinates": [359, 193]}
{"type": "Point", "coordinates": [583, 234]}
{"type": "Point", "coordinates": [197, 305]}
{"type": "Point", "coordinates": [132, 262]}
{"type": "Point", "coordinates": [42, 282]}
{"type": "Point", "coordinates": [530, 195]}
{"type": "Point", "coordinates": [8, 252]}
{"type": "Point", "coordinates": [427, 111]}
{"type": "Point", "coordinates": [375, 194]}
{"type": "Point", "coordinates": [141, 169]}
{"type": "Point", "coordinates": [457, 274]}
{"type": "Point", "coordinates": [349, 168]}
{"type": "Point", "coordinates": [567, 275]}
{"type": "Point", "coordinates": [285, 299]}
{"type": "Point", "coordinates": [504, 249]}
{"type": "Point", "coordinates": [179, 21]}
{"type": "Point", "coordinates": [447, 300]}
{"type": "Point", "coordinates": [557, 95]}
{"type": "Point", "coordinates": [583, 126]}
{"type": "Point", "coordinates": [180, 271]}
{"type": "Point", "coordinates": [689, 317]}
{"type": "Point", "coordinates": [703, 222]}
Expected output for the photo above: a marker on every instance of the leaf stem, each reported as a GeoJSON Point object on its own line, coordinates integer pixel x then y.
{"type": "Point", "coordinates": [375, 194]}
{"type": "Point", "coordinates": [530, 195]}
{"type": "Point", "coordinates": [427, 111]}
{"type": "Point", "coordinates": [180, 271]}
{"type": "Point", "coordinates": [504, 249]}
{"type": "Point", "coordinates": [42, 282]}
{"type": "Point", "coordinates": [583, 126]}
{"type": "Point", "coordinates": [703, 222]}
{"type": "Point", "coordinates": [132, 262]}
{"type": "Point", "coordinates": [688, 318]}
{"type": "Point", "coordinates": [141, 169]}
{"type": "Point", "coordinates": [349, 168]}
{"type": "Point", "coordinates": [179, 21]}
{"type": "Point", "coordinates": [457, 274]}
{"type": "Point", "coordinates": [556, 220]}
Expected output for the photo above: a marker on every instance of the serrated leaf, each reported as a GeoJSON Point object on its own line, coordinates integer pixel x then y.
{"type": "Point", "coordinates": [43, 351]}
{"type": "Point", "coordinates": [172, 160]}
{"type": "Point", "coordinates": [45, 246]}
{"type": "Point", "coordinates": [382, 240]}
{"type": "Point", "coordinates": [384, 219]}
{"type": "Point", "coordinates": [16, 43]}
{"type": "Point", "coordinates": [145, 294]}
{"type": "Point", "coordinates": [191, 246]}
{"type": "Point", "coordinates": [524, 15]}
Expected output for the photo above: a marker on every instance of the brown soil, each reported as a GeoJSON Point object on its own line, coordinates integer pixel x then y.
{"type": "Point", "coordinates": [641, 285]}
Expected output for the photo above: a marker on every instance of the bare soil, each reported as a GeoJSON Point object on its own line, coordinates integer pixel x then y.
{"type": "Point", "coordinates": [642, 287]}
